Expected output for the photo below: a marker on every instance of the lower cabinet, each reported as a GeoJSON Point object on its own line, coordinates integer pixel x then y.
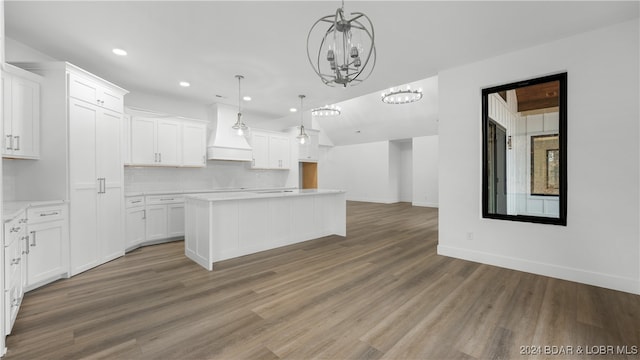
{"type": "Point", "coordinates": [14, 264]}
{"type": "Point", "coordinates": [153, 218]}
{"type": "Point", "coordinates": [47, 250]}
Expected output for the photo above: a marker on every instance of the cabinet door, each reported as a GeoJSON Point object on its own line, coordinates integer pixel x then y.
{"type": "Point", "coordinates": [85, 251]}
{"type": "Point", "coordinates": [194, 144]}
{"type": "Point", "coordinates": [110, 199]}
{"type": "Point", "coordinates": [25, 117]}
{"type": "Point", "coordinates": [21, 123]}
{"type": "Point", "coordinates": [84, 89]}
{"type": "Point", "coordinates": [143, 136]}
{"type": "Point", "coordinates": [126, 139]}
{"type": "Point", "coordinates": [7, 137]}
{"type": "Point", "coordinates": [135, 222]}
{"type": "Point", "coordinates": [260, 150]}
{"type": "Point", "coordinates": [156, 227]}
{"type": "Point", "coordinates": [169, 142]}
{"type": "Point", "coordinates": [175, 223]}
{"type": "Point", "coordinates": [111, 100]}
{"type": "Point", "coordinates": [278, 152]}
{"type": "Point", "coordinates": [45, 260]}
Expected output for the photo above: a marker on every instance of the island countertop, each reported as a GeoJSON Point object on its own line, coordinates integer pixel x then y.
{"type": "Point", "coordinates": [220, 226]}
{"type": "Point", "coordinates": [260, 194]}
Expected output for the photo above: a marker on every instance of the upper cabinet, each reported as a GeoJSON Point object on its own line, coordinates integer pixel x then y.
{"type": "Point", "coordinates": [92, 92]}
{"type": "Point", "coordinates": [194, 143]}
{"type": "Point", "coordinates": [271, 150]}
{"type": "Point", "coordinates": [21, 103]}
{"type": "Point", "coordinates": [166, 141]}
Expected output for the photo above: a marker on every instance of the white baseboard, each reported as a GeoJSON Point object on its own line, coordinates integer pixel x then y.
{"type": "Point", "coordinates": [560, 272]}
{"type": "Point", "coordinates": [373, 200]}
{"type": "Point", "coordinates": [425, 204]}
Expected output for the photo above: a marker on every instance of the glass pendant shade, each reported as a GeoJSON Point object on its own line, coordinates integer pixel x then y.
{"type": "Point", "coordinates": [302, 136]}
{"type": "Point", "coordinates": [239, 126]}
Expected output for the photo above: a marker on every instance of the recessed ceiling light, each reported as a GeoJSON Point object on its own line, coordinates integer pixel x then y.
{"type": "Point", "coordinates": [293, 109]}
{"type": "Point", "coordinates": [247, 98]}
{"type": "Point", "coordinates": [119, 52]}
{"type": "Point", "coordinates": [184, 84]}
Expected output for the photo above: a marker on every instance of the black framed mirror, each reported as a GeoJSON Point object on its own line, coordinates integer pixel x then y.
{"type": "Point", "coordinates": [524, 151]}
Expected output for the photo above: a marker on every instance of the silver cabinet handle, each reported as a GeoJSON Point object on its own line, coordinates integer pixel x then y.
{"type": "Point", "coordinates": [49, 214]}
{"type": "Point", "coordinates": [9, 144]}
{"type": "Point", "coordinates": [166, 199]}
{"type": "Point", "coordinates": [33, 238]}
{"type": "Point", "coordinates": [144, 214]}
{"type": "Point", "coordinates": [104, 185]}
{"type": "Point", "coordinates": [17, 138]}
{"type": "Point", "coordinates": [101, 186]}
{"type": "Point", "coordinates": [159, 157]}
{"type": "Point", "coordinates": [155, 157]}
{"type": "Point", "coordinates": [136, 201]}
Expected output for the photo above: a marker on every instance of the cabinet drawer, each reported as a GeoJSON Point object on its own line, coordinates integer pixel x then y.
{"type": "Point", "coordinates": [37, 215]}
{"type": "Point", "coordinates": [164, 199]}
{"type": "Point", "coordinates": [134, 201]}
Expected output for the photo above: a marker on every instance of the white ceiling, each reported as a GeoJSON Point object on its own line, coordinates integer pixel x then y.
{"type": "Point", "coordinates": [208, 42]}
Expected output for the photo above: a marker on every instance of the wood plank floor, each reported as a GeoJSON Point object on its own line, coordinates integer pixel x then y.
{"type": "Point", "coordinates": [381, 293]}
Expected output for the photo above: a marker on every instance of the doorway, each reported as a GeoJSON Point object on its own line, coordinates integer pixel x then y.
{"type": "Point", "coordinates": [309, 175]}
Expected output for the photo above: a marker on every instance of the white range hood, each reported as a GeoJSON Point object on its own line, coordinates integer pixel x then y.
{"type": "Point", "coordinates": [224, 142]}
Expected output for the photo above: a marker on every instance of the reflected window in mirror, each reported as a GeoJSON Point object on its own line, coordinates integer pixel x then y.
{"type": "Point", "coordinates": [524, 155]}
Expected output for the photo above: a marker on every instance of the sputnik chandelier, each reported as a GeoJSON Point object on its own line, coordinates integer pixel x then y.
{"type": "Point", "coordinates": [345, 48]}
{"type": "Point", "coordinates": [239, 126]}
{"type": "Point", "coordinates": [327, 110]}
{"type": "Point", "coordinates": [399, 96]}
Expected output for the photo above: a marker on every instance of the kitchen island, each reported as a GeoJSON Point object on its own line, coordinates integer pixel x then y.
{"type": "Point", "coordinates": [220, 226]}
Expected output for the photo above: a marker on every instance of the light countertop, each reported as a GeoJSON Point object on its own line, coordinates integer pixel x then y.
{"type": "Point", "coordinates": [11, 209]}
{"type": "Point", "coordinates": [261, 194]}
{"type": "Point", "coordinates": [201, 191]}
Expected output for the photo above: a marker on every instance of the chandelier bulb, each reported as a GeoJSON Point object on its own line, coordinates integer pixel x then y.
{"type": "Point", "coordinates": [357, 62]}
{"type": "Point", "coordinates": [354, 52]}
{"type": "Point", "coordinates": [330, 55]}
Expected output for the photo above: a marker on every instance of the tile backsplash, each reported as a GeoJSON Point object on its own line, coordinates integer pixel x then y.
{"type": "Point", "coordinates": [217, 175]}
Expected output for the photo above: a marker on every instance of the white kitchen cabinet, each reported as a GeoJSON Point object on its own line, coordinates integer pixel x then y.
{"type": "Point", "coordinates": [279, 152]}
{"type": "Point", "coordinates": [15, 241]}
{"type": "Point", "coordinates": [96, 176]}
{"type": "Point", "coordinates": [156, 222]}
{"type": "Point", "coordinates": [21, 123]}
{"type": "Point", "coordinates": [155, 142]}
{"type": "Point", "coordinates": [175, 220]}
{"type": "Point", "coordinates": [260, 150]}
{"type": "Point", "coordinates": [83, 87]}
{"type": "Point", "coordinates": [135, 221]}
{"type": "Point", "coordinates": [164, 217]}
{"type": "Point", "coordinates": [194, 144]}
{"type": "Point", "coordinates": [309, 151]}
{"type": "Point", "coordinates": [47, 250]}
{"type": "Point", "coordinates": [271, 150]}
{"type": "Point", "coordinates": [81, 160]}
{"type": "Point", "coordinates": [126, 139]}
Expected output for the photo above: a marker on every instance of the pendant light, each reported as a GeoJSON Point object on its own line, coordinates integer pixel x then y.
{"type": "Point", "coordinates": [239, 126]}
{"type": "Point", "coordinates": [302, 137]}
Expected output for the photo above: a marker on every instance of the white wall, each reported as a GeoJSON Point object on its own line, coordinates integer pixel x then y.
{"type": "Point", "coordinates": [601, 243]}
{"type": "Point", "coordinates": [17, 52]}
{"type": "Point", "coordinates": [362, 170]}
{"type": "Point", "coordinates": [425, 171]}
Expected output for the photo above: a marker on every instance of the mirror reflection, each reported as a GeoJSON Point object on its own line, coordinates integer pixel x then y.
{"type": "Point", "coordinates": [524, 157]}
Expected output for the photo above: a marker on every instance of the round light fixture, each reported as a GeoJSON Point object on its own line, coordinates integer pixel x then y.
{"type": "Point", "coordinates": [119, 52]}
{"type": "Point", "coordinates": [184, 84]}
{"type": "Point", "coordinates": [246, 98]}
{"type": "Point", "coordinates": [293, 109]}
{"type": "Point", "coordinates": [327, 110]}
{"type": "Point", "coordinates": [399, 96]}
